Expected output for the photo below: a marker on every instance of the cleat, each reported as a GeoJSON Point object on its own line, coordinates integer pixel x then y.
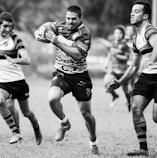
{"type": "Point", "coordinates": [113, 102]}
{"type": "Point", "coordinates": [61, 132]}
{"type": "Point", "coordinates": [38, 135]}
{"type": "Point", "coordinates": [15, 138]}
{"type": "Point", "coordinates": [140, 152]}
{"type": "Point", "coordinates": [95, 149]}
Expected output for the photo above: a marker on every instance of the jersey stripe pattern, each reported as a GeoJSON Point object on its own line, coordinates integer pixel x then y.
{"type": "Point", "coordinates": [82, 40]}
{"type": "Point", "coordinates": [141, 45]}
{"type": "Point", "coordinates": [10, 46]}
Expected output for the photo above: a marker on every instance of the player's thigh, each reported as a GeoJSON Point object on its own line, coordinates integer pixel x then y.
{"type": "Point", "coordinates": [108, 78]}
{"type": "Point", "coordinates": [155, 112]}
{"type": "Point", "coordinates": [55, 93]}
{"type": "Point", "coordinates": [3, 96]}
{"type": "Point", "coordinates": [155, 105]}
{"type": "Point", "coordinates": [24, 106]}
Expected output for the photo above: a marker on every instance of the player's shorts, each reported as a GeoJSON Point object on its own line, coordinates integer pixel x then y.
{"type": "Point", "coordinates": [17, 89]}
{"type": "Point", "coordinates": [79, 84]}
{"type": "Point", "coordinates": [146, 86]}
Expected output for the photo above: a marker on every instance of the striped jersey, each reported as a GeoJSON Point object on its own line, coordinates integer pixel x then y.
{"type": "Point", "coordinates": [10, 46]}
{"type": "Point", "coordinates": [141, 45]}
{"type": "Point", "coordinates": [82, 40]}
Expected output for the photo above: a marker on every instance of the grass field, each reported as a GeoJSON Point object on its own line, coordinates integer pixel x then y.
{"type": "Point", "coordinates": [115, 131]}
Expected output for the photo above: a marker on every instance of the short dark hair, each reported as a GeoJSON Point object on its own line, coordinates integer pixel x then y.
{"type": "Point", "coordinates": [147, 6]}
{"type": "Point", "coordinates": [75, 9]}
{"type": "Point", "coordinates": [121, 28]}
{"type": "Point", "coordinates": [6, 16]}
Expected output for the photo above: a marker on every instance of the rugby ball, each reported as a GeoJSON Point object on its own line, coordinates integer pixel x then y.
{"type": "Point", "coordinates": [49, 27]}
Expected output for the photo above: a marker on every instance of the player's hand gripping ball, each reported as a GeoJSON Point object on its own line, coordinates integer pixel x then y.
{"type": "Point", "coordinates": [50, 32]}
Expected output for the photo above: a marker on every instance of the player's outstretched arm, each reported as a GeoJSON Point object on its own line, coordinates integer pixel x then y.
{"type": "Point", "coordinates": [132, 69]}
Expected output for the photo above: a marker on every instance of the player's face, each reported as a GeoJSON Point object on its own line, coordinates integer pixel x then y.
{"type": "Point", "coordinates": [118, 35]}
{"type": "Point", "coordinates": [136, 15]}
{"type": "Point", "coordinates": [6, 28]}
{"type": "Point", "coordinates": [72, 20]}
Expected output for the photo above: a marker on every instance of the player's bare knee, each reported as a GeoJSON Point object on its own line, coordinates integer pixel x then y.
{"type": "Point", "coordinates": [53, 101]}
{"type": "Point", "coordinates": [27, 114]}
{"type": "Point", "coordinates": [86, 114]}
{"type": "Point", "coordinates": [136, 111]}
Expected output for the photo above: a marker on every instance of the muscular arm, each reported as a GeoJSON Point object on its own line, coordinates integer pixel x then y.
{"type": "Point", "coordinates": [153, 43]}
{"type": "Point", "coordinates": [22, 59]}
{"type": "Point", "coordinates": [69, 50]}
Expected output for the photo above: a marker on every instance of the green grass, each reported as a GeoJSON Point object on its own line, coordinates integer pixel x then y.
{"type": "Point", "coordinates": [115, 130]}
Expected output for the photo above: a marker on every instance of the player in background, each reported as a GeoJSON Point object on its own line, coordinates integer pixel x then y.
{"type": "Point", "coordinates": [145, 89]}
{"type": "Point", "coordinates": [12, 80]}
{"type": "Point", "coordinates": [116, 63]}
{"type": "Point", "coordinates": [72, 40]}
{"type": "Point", "coordinates": [130, 32]}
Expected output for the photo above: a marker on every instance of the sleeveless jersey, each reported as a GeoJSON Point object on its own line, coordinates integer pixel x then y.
{"type": "Point", "coordinates": [10, 72]}
{"type": "Point", "coordinates": [141, 45]}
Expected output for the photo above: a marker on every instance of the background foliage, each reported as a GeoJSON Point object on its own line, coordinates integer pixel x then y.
{"type": "Point", "coordinates": [99, 15]}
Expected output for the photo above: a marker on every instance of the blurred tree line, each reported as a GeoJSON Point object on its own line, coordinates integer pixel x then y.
{"type": "Point", "coordinates": [100, 15]}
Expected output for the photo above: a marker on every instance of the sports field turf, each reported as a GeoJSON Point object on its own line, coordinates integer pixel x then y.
{"type": "Point", "coordinates": [115, 131]}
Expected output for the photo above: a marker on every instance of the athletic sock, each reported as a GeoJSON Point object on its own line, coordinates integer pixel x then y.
{"type": "Point", "coordinates": [11, 123]}
{"type": "Point", "coordinates": [64, 120]}
{"type": "Point", "coordinates": [141, 129]}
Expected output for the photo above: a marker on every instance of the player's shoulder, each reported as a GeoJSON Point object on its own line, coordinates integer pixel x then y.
{"type": "Point", "coordinates": [150, 30]}
{"type": "Point", "coordinates": [84, 28]}
{"type": "Point", "coordinates": [14, 36]}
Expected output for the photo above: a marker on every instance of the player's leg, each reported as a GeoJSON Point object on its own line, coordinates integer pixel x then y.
{"type": "Point", "coordinates": [24, 106]}
{"type": "Point", "coordinates": [54, 96]}
{"type": "Point", "coordinates": [127, 94]}
{"type": "Point", "coordinates": [85, 108]}
{"type": "Point", "coordinates": [82, 91]}
{"type": "Point", "coordinates": [14, 112]}
{"type": "Point", "coordinates": [143, 93]}
{"type": "Point", "coordinates": [107, 79]}
{"type": "Point", "coordinates": [155, 107]}
{"type": "Point", "coordinates": [56, 92]}
{"type": "Point", "coordinates": [8, 117]}
{"type": "Point", "coordinates": [139, 104]}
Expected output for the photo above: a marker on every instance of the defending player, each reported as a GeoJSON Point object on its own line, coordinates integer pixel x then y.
{"type": "Point", "coordinates": [12, 80]}
{"type": "Point", "coordinates": [145, 89]}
